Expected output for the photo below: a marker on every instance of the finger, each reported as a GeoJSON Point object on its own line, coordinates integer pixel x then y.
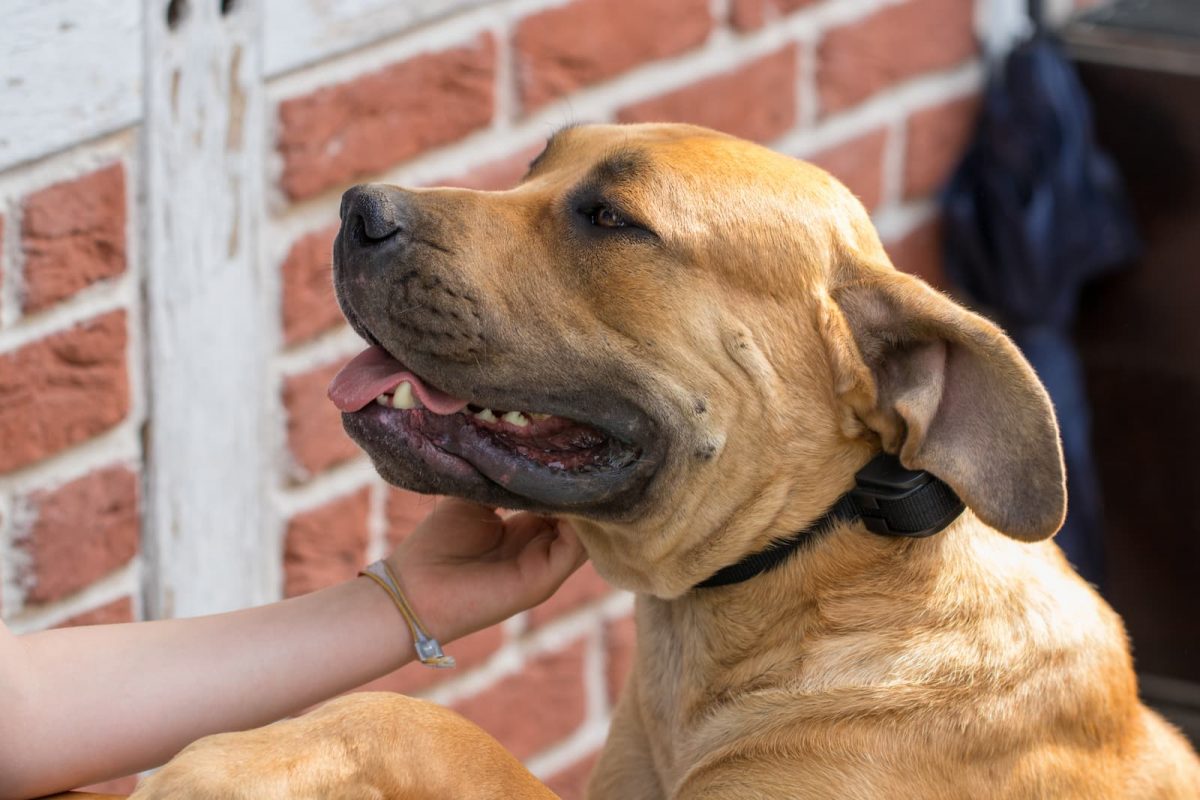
{"type": "Point", "coordinates": [549, 559]}
{"type": "Point", "coordinates": [465, 509]}
{"type": "Point", "coordinates": [566, 549]}
{"type": "Point", "coordinates": [522, 528]}
{"type": "Point", "coordinates": [571, 537]}
{"type": "Point", "coordinates": [474, 528]}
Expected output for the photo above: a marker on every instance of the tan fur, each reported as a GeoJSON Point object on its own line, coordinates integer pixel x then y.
{"type": "Point", "coordinates": [769, 336]}
{"type": "Point", "coordinates": [361, 746]}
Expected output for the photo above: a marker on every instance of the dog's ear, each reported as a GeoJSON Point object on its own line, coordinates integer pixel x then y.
{"type": "Point", "coordinates": [949, 393]}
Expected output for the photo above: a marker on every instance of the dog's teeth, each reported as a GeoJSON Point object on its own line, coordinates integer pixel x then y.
{"type": "Point", "coordinates": [486, 415]}
{"type": "Point", "coordinates": [516, 418]}
{"type": "Point", "coordinates": [539, 417]}
{"type": "Point", "coordinates": [403, 397]}
{"type": "Point", "coordinates": [383, 400]}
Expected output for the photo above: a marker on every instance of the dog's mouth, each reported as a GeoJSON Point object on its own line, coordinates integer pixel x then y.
{"type": "Point", "coordinates": [522, 456]}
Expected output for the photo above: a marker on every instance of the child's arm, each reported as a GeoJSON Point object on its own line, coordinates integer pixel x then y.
{"type": "Point", "coordinates": [84, 704]}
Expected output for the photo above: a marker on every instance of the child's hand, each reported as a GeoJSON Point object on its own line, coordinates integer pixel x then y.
{"type": "Point", "coordinates": [465, 568]}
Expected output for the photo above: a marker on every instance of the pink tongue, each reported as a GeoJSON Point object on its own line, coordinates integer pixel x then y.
{"type": "Point", "coordinates": [373, 372]}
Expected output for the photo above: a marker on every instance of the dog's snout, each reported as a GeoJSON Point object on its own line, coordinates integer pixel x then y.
{"type": "Point", "coordinates": [373, 213]}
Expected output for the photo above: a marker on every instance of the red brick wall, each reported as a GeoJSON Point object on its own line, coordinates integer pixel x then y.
{"type": "Point", "coordinates": [879, 92]}
{"type": "Point", "coordinates": [70, 493]}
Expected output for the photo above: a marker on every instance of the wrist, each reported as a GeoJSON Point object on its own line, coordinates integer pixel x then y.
{"type": "Point", "coordinates": [425, 601]}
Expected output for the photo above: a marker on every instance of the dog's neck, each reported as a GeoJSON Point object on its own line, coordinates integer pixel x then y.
{"type": "Point", "coordinates": [888, 499]}
{"type": "Point", "coordinates": [705, 532]}
{"type": "Point", "coordinates": [740, 638]}
{"type": "Point", "coordinates": [831, 634]}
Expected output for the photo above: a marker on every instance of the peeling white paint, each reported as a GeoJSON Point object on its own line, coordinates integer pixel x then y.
{"type": "Point", "coordinates": [209, 539]}
{"type": "Point", "coordinates": [300, 32]}
{"type": "Point", "coordinates": [70, 70]}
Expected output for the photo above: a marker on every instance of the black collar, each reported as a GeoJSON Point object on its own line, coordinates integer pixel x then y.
{"type": "Point", "coordinates": [889, 499]}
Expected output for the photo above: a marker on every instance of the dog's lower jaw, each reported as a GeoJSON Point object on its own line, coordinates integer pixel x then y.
{"type": "Point", "coordinates": [452, 457]}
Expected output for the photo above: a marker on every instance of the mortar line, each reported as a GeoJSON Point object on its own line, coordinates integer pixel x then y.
{"type": "Point", "coordinates": [121, 582]}
{"type": "Point", "coordinates": [118, 445]}
{"type": "Point", "coordinates": [337, 344]}
{"type": "Point", "coordinates": [67, 163]}
{"type": "Point", "coordinates": [897, 221]}
{"type": "Point", "coordinates": [377, 522]}
{"type": "Point", "coordinates": [507, 101]}
{"type": "Point", "coordinates": [100, 298]}
{"type": "Point", "coordinates": [9, 599]}
{"type": "Point", "coordinates": [881, 109]}
{"type": "Point", "coordinates": [10, 266]}
{"type": "Point", "coordinates": [334, 483]}
{"type": "Point", "coordinates": [894, 147]}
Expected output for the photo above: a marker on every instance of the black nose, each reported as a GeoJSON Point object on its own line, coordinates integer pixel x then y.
{"type": "Point", "coordinates": [373, 213]}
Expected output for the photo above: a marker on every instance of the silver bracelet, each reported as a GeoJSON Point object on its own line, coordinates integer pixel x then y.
{"type": "Point", "coordinates": [429, 652]}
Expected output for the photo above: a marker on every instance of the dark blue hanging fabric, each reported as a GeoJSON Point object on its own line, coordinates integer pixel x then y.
{"type": "Point", "coordinates": [1034, 212]}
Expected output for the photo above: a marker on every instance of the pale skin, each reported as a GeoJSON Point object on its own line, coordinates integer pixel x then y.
{"type": "Point", "coordinates": [86, 704]}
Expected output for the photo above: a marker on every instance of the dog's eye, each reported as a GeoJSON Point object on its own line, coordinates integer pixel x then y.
{"type": "Point", "coordinates": [605, 217]}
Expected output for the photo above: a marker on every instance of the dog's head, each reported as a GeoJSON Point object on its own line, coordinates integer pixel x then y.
{"type": "Point", "coordinates": [683, 341]}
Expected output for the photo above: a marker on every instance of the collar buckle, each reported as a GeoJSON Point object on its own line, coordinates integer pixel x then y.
{"type": "Point", "coordinates": [894, 501]}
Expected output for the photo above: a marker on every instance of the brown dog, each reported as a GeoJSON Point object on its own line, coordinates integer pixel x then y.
{"type": "Point", "coordinates": [720, 344]}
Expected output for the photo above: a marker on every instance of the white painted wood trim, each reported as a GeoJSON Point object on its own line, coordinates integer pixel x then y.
{"type": "Point", "coordinates": [301, 32]}
{"type": "Point", "coordinates": [210, 542]}
{"type": "Point", "coordinates": [70, 70]}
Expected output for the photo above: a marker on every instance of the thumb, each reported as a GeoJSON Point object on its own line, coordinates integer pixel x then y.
{"type": "Point", "coordinates": [549, 559]}
{"type": "Point", "coordinates": [566, 547]}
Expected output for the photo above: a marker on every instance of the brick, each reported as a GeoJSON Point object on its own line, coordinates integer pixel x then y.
{"type": "Point", "coordinates": [309, 306]}
{"type": "Point", "coordinates": [469, 652]}
{"type": "Point", "coordinates": [314, 425]}
{"type": "Point", "coordinates": [858, 163]}
{"type": "Point", "coordinates": [620, 641]}
{"type": "Point", "coordinates": [588, 41]}
{"type": "Point", "coordinates": [537, 707]}
{"type": "Point", "coordinates": [405, 510]}
{"type": "Point", "coordinates": [749, 15]}
{"type": "Point", "coordinates": [72, 235]}
{"type": "Point", "coordinates": [919, 252]}
{"type": "Point", "coordinates": [937, 139]}
{"type": "Point", "coordinates": [342, 132]}
{"type": "Point", "coordinates": [326, 545]}
{"type": "Point", "coordinates": [109, 614]}
{"type": "Point", "coordinates": [504, 173]}
{"type": "Point", "coordinates": [81, 532]}
{"type": "Point", "coordinates": [897, 43]}
{"type": "Point", "coordinates": [58, 391]}
{"type": "Point", "coordinates": [571, 783]}
{"type": "Point", "coordinates": [584, 587]}
{"type": "Point", "coordinates": [756, 101]}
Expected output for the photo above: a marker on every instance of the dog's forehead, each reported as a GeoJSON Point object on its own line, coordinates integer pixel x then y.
{"type": "Point", "coordinates": [660, 149]}
{"type": "Point", "coordinates": [699, 172]}
{"type": "Point", "coordinates": [696, 187]}
{"type": "Point", "coordinates": [574, 142]}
